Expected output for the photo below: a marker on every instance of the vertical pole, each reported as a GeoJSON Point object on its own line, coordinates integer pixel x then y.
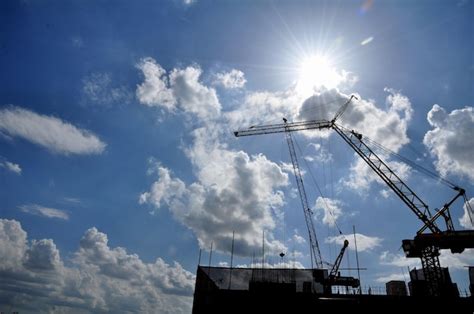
{"type": "Point", "coordinates": [199, 259]}
{"type": "Point", "coordinates": [357, 256]}
{"type": "Point", "coordinates": [263, 253]}
{"type": "Point", "coordinates": [210, 259]}
{"type": "Point", "coordinates": [210, 255]}
{"type": "Point", "coordinates": [231, 260]}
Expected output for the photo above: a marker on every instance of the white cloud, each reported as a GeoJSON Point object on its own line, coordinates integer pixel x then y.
{"type": "Point", "coordinates": [99, 278]}
{"type": "Point", "coordinates": [451, 141]}
{"type": "Point", "coordinates": [164, 189]}
{"type": "Point", "coordinates": [98, 89]}
{"type": "Point", "coordinates": [189, 2]}
{"type": "Point", "coordinates": [234, 191]}
{"type": "Point", "coordinates": [154, 91]}
{"type": "Point", "coordinates": [398, 260]}
{"type": "Point", "coordinates": [364, 243]}
{"type": "Point", "coordinates": [50, 132]}
{"type": "Point", "coordinates": [331, 208]}
{"type": "Point", "coordinates": [192, 96]}
{"type": "Point", "coordinates": [13, 244]}
{"type": "Point", "coordinates": [263, 106]}
{"type": "Point", "coordinates": [180, 89]}
{"type": "Point", "coordinates": [297, 238]}
{"type": "Point", "coordinates": [44, 211]}
{"type": "Point", "coordinates": [390, 277]}
{"type": "Point", "coordinates": [231, 80]}
{"type": "Point", "coordinates": [366, 41]}
{"type": "Point", "coordinates": [361, 176]}
{"type": "Point", "coordinates": [11, 167]}
{"type": "Point", "coordinates": [456, 261]}
{"type": "Point", "coordinates": [322, 155]}
{"type": "Point", "coordinates": [466, 220]}
{"type": "Point", "coordinates": [387, 127]}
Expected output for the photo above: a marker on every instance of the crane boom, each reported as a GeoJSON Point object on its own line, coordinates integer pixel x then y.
{"type": "Point", "coordinates": [337, 263]}
{"type": "Point", "coordinates": [308, 214]}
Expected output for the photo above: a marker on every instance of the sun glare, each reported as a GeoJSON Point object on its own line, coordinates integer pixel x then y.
{"type": "Point", "coordinates": [316, 72]}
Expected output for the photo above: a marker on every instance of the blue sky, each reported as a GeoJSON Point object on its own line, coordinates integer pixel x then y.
{"type": "Point", "coordinates": [117, 158]}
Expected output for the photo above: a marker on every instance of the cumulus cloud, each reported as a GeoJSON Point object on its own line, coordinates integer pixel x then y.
{"type": "Point", "coordinates": [50, 132]}
{"type": "Point", "coordinates": [231, 80]}
{"type": "Point", "coordinates": [99, 278]}
{"type": "Point", "coordinates": [263, 106]}
{"type": "Point", "coordinates": [361, 176]}
{"type": "Point", "coordinates": [322, 155]}
{"type": "Point", "coordinates": [10, 166]}
{"type": "Point", "coordinates": [44, 211]}
{"type": "Point", "coordinates": [98, 89]}
{"type": "Point", "coordinates": [331, 209]}
{"type": "Point", "coordinates": [364, 243]}
{"type": "Point", "coordinates": [456, 261]}
{"type": "Point", "coordinates": [387, 127]}
{"type": "Point", "coordinates": [164, 189]}
{"type": "Point", "coordinates": [180, 89]}
{"type": "Point", "coordinates": [234, 191]}
{"type": "Point", "coordinates": [154, 91]}
{"type": "Point", "coordinates": [450, 141]}
{"type": "Point", "coordinates": [297, 238]}
{"type": "Point", "coordinates": [192, 96]}
{"type": "Point", "coordinates": [13, 243]}
{"type": "Point", "coordinates": [467, 218]}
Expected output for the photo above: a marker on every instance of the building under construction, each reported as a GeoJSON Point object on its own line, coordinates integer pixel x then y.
{"type": "Point", "coordinates": [240, 290]}
{"type": "Point", "coordinates": [431, 288]}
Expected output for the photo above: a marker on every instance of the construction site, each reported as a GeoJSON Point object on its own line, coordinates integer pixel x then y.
{"type": "Point", "coordinates": [322, 288]}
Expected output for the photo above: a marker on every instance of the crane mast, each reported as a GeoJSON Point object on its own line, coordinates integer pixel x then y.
{"type": "Point", "coordinates": [425, 246]}
{"type": "Point", "coordinates": [308, 214]}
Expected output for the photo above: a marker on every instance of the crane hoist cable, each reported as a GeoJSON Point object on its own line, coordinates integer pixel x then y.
{"type": "Point", "coordinates": [318, 187]}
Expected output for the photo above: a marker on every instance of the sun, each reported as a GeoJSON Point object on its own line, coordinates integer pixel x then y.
{"type": "Point", "coordinates": [315, 72]}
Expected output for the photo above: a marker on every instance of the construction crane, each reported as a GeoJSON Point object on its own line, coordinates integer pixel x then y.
{"type": "Point", "coordinates": [426, 246]}
{"type": "Point", "coordinates": [337, 263]}
{"type": "Point", "coordinates": [308, 214]}
{"type": "Point", "coordinates": [334, 277]}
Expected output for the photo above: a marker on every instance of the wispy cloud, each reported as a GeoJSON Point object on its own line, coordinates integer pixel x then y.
{"type": "Point", "coordinates": [50, 132]}
{"type": "Point", "coordinates": [367, 41]}
{"type": "Point", "coordinates": [99, 90]}
{"type": "Point", "coordinates": [72, 200]}
{"type": "Point", "coordinates": [48, 212]}
{"type": "Point", "coordinates": [10, 166]}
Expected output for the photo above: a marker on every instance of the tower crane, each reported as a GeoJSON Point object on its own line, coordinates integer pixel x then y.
{"type": "Point", "coordinates": [425, 246]}
{"type": "Point", "coordinates": [308, 214]}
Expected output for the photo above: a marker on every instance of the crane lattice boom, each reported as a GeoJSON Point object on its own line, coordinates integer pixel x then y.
{"type": "Point", "coordinates": [308, 214]}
